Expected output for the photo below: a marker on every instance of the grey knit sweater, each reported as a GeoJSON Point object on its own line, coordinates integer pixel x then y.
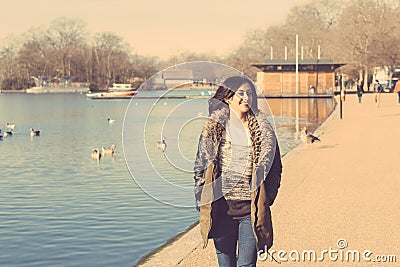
{"type": "Point", "coordinates": [236, 163]}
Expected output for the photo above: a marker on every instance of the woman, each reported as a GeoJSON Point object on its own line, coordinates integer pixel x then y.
{"type": "Point", "coordinates": [237, 174]}
{"type": "Point", "coordinates": [397, 90]}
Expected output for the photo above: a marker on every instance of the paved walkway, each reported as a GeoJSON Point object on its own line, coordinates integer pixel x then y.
{"type": "Point", "coordinates": [344, 189]}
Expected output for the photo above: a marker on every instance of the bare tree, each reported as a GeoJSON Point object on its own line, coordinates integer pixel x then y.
{"type": "Point", "coordinates": [365, 30]}
{"type": "Point", "coordinates": [314, 23]}
{"type": "Point", "coordinates": [65, 37]}
{"type": "Point", "coordinates": [10, 75]}
{"type": "Point", "coordinates": [111, 55]}
{"type": "Point", "coordinates": [34, 57]}
{"type": "Point", "coordinates": [8, 57]}
{"type": "Point", "coordinates": [143, 67]}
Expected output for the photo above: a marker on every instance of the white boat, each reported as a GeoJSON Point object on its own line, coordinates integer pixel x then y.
{"type": "Point", "coordinates": [119, 87]}
{"type": "Point", "coordinates": [64, 90]}
{"type": "Point", "coordinates": [63, 84]}
{"type": "Point", "coordinates": [118, 90]}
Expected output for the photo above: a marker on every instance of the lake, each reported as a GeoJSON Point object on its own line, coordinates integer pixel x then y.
{"type": "Point", "coordinates": [59, 207]}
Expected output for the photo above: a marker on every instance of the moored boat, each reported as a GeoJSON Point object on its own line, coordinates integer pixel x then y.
{"type": "Point", "coordinates": [45, 90]}
{"type": "Point", "coordinates": [106, 95]}
{"type": "Point", "coordinates": [116, 91]}
{"type": "Point", "coordinates": [64, 84]}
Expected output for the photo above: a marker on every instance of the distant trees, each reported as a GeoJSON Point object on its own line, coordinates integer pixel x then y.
{"type": "Point", "coordinates": [363, 33]}
{"type": "Point", "coordinates": [65, 48]}
{"type": "Point", "coordinates": [368, 34]}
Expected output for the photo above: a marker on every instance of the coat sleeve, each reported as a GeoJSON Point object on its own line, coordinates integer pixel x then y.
{"type": "Point", "coordinates": [199, 166]}
{"type": "Point", "coordinates": [273, 179]}
{"type": "Point", "coordinates": [206, 154]}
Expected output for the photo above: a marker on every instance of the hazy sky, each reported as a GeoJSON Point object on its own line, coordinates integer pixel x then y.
{"type": "Point", "coordinates": [154, 27]}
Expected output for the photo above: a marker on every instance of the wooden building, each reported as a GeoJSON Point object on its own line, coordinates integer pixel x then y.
{"type": "Point", "coordinates": [278, 77]}
{"type": "Point", "coordinates": [173, 78]}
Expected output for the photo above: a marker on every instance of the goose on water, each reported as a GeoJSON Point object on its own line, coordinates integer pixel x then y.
{"type": "Point", "coordinates": [5, 134]}
{"type": "Point", "coordinates": [10, 126]}
{"type": "Point", "coordinates": [96, 154]}
{"type": "Point", "coordinates": [108, 150]}
{"type": "Point", "coordinates": [34, 133]}
{"type": "Point", "coordinates": [162, 144]}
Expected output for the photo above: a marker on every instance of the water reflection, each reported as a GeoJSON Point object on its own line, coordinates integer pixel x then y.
{"type": "Point", "coordinates": [290, 115]}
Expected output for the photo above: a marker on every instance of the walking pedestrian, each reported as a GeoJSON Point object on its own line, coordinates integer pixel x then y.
{"type": "Point", "coordinates": [237, 174]}
{"type": "Point", "coordinates": [378, 91]}
{"type": "Point", "coordinates": [397, 90]}
{"type": "Point", "coordinates": [360, 91]}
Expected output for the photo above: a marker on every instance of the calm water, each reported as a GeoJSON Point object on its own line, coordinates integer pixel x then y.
{"type": "Point", "coordinates": [59, 207]}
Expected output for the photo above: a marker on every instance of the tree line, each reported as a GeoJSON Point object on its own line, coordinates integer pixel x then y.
{"type": "Point", "coordinates": [362, 33]}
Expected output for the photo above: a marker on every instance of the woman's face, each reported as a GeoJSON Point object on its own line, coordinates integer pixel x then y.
{"type": "Point", "coordinates": [241, 101]}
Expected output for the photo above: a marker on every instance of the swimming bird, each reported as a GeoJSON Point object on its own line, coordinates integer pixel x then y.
{"type": "Point", "coordinates": [34, 133]}
{"type": "Point", "coordinates": [108, 150]}
{"type": "Point", "coordinates": [5, 134]}
{"type": "Point", "coordinates": [110, 121]}
{"type": "Point", "coordinates": [10, 126]}
{"type": "Point", "coordinates": [96, 154]}
{"type": "Point", "coordinates": [307, 137]}
{"type": "Point", "coordinates": [162, 144]}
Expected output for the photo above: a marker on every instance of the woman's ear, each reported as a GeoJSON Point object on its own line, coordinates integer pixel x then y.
{"type": "Point", "coordinates": [228, 100]}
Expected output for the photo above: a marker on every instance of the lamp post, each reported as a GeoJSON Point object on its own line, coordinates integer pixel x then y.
{"type": "Point", "coordinates": [297, 64]}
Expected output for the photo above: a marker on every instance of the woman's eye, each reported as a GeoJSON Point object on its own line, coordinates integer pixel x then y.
{"type": "Point", "coordinates": [242, 93]}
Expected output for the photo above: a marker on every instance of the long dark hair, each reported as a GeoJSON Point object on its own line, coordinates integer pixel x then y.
{"type": "Point", "coordinates": [228, 89]}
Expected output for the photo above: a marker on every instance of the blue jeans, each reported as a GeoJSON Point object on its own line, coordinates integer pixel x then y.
{"type": "Point", "coordinates": [240, 232]}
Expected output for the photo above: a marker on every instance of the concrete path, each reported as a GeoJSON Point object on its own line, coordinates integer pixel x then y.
{"type": "Point", "coordinates": [339, 199]}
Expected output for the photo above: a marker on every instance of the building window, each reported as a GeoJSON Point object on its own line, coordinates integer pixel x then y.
{"type": "Point", "coordinates": [289, 68]}
{"type": "Point", "coordinates": [307, 67]}
{"type": "Point", "coordinates": [269, 68]}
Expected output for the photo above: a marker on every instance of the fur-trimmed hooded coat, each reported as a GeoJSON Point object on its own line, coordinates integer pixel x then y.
{"type": "Point", "coordinates": [265, 181]}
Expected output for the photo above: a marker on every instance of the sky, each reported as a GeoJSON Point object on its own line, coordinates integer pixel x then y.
{"type": "Point", "coordinates": [154, 27]}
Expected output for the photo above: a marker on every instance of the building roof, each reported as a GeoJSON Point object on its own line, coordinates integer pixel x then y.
{"type": "Point", "coordinates": [177, 75]}
{"type": "Point", "coordinates": [304, 65]}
